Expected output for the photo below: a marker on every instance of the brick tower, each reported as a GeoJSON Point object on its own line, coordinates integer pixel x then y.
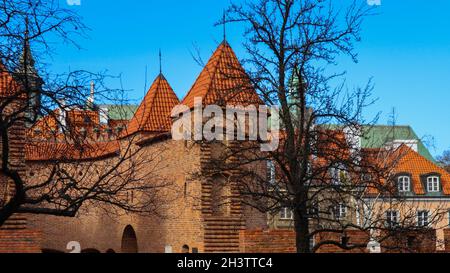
{"type": "Point", "coordinates": [222, 82]}
{"type": "Point", "coordinates": [14, 235]}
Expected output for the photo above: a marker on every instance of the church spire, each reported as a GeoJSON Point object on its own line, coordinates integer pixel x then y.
{"type": "Point", "coordinates": [26, 59]}
{"type": "Point", "coordinates": [27, 75]}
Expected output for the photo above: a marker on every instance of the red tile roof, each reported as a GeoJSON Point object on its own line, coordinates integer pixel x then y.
{"type": "Point", "coordinates": [417, 165]}
{"type": "Point", "coordinates": [47, 151]}
{"type": "Point", "coordinates": [223, 82]}
{"type": "Point", "coordinates": [404, 160]}
{"type": "Point", "coordinates": [8, 86]}
{"type": "Point", "coordinates": [153, 115]}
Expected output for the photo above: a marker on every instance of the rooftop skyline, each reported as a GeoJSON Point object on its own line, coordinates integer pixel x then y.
{"type": "Point", "coordinates": [405, 49]}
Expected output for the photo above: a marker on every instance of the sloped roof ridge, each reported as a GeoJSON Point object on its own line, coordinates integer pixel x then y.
{"type": "Point", "coordinates": [205, 69]}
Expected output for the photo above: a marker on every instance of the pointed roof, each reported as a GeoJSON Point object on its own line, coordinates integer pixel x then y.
{"type": "Point", "coordinates": [223, 81]}
{"type": "Point", "coordinates": [153, 115]}
{"type": "Point", "coordinates": [26, 67]}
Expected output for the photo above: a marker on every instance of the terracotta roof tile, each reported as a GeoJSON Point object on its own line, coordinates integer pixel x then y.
{"type": "Point", "coordinates": [47, 151]}
{"type": "Point", "coordinates": [153, 115]}
{"type": "Point", "coordinates": [223, 81]}
{"type": "Point", "coordinates": [408, 161]}
{"type": "Point", "coordinates": [8, 86]}
{"type": "Point", "coordinates": [418, 166]}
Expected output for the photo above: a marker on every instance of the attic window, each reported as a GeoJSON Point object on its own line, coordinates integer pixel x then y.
{"type": "Point", "coordinates": [404, 184]}
{"type": "Point", "coordinates": [433, 184]}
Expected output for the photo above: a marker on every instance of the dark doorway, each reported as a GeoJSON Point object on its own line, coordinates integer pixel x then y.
{"type": "Point", "coordinates": [129, 240]}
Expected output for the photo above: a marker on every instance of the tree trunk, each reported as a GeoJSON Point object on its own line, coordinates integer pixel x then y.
{"type": "Point", "coordinates": [302, 225]}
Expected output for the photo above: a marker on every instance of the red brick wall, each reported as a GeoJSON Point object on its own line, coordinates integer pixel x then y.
{"type": "Point", "coordinates": [410, 242]}
{"type": "Point", "coordinates": [283, 241]}
{"type": "Point", "coordinates": [20, 241]}
{"type": "Point", "coordinates": [357, 239]}
{"type": "Point", "coordinates": [267, 241]}
{"type": "Point", "coordinates": [447, 240]}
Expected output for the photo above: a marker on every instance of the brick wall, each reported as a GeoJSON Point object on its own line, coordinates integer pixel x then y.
{"type": "Point", "coordinates": [20, 241]}
{"type": "Point", "coordinates": [410, 242]}
{"type": "Point", "coordinates": [283, 241]}
{"type": "Point", "coordinates": [358, 240]}
{"type": "Point", "coordinates": [447, 240]}
{"type": "Point", "coordinates": [267, 241]}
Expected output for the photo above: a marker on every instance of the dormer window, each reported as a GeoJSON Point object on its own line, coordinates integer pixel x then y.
{"type": "Point", "coordinates": [433, 184]}
{"type": "Point", "coordinates": [404, 184]}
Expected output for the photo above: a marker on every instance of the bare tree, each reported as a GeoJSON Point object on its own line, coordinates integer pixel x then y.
{"type": "Point", "coordinates": [444, 160]}
{"type": "Point", "coordinates": [320, 171]}
{"type": "Point", "coordinates": [51, 122]}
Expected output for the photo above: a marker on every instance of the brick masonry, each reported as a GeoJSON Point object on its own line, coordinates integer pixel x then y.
{"type": "Point", "coordinates": [283, 241]}
{"type": "Point", "coordinates": [20, 241]}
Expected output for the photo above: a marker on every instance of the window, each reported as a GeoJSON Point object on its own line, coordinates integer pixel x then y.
{"type": "Point", "coordinates": [271, 172]}
{"type": "Point", "coordinates": [313, 209]}
{"type": "Point", "coordinates": [312, 243]}
{"type": "Point", "coordinates": [392, 219]}
{"type": "Point", "coordinates": [449, 218]}
{"type": "Point", "coordinates": [340, 212]}
{"type": "Point", "coordinates": [423, 218]}
{"type": "Point", "coordinates": [404, 184]}
{"type": "Point", "coordinates": [339, 176]}
{"type": "Point", "coordinates": [433, 184]}
{"type": "Point", "coordinates": [286, 214]}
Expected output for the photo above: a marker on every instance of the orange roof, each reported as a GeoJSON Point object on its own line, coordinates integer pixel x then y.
{"type": "Point", "coordinates": [82, 118]}
{"type": "Point", "coordinates": [404, 160]}
{"type": "Point", "coordinates": [47, 151]}
{"type": "Point", "coordinates": [153, 115]}
{"type": "Point", "coordinates": [47, 125]}
{"type": "Point", "coordinates": [223, 81]}
{"type": "Point", "coordinates": [8, 86]}
{"type": "Point", "coordinates": [417, 165]}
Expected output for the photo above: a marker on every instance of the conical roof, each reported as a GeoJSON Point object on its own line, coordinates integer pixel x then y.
{"type": "Point", "coordinates": [153, 115]}
{"type": "Point", "coordinates": [223, 82]}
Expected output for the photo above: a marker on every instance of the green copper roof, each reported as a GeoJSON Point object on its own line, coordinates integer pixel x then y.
{"type": "Point", "coordinates": [377, 136]}
{"type": "Point", "coordinates": [121, 112]}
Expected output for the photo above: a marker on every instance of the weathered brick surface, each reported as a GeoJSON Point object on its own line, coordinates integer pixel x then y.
{"type": "Point", "coordinates": [20, 241]}
{"type": "Point", "coordinates": [357, 242]}
{"type": "Point", "coordinates": [179, 222]}
{"type": "Point", "coordinates": [267, 241]}
{"type": "Point", "coordinates": [283, 241]}
{"type": "Point", "coordinates": [411, 241]}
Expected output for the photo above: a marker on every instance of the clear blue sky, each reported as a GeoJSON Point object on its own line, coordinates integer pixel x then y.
{"type": "Point", "coordinates": [406, 49]}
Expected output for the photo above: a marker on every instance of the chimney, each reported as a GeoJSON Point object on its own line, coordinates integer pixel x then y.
{"type": "Point", "coordinates": [104, 113]}
{"type": "Point", "coordinates": [62, 117]}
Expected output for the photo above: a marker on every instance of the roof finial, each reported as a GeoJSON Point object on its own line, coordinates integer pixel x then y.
{"type": "Point", "coordinates": [224, 25]}
{"type": "Point", "coordinates": [160, 62]}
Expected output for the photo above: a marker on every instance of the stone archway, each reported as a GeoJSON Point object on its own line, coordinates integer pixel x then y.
{"type": "Point", "coordinates": [129, 240]}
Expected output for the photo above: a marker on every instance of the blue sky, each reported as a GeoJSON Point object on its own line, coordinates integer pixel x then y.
{"type": "Point", "coordinates": [406, 49]}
